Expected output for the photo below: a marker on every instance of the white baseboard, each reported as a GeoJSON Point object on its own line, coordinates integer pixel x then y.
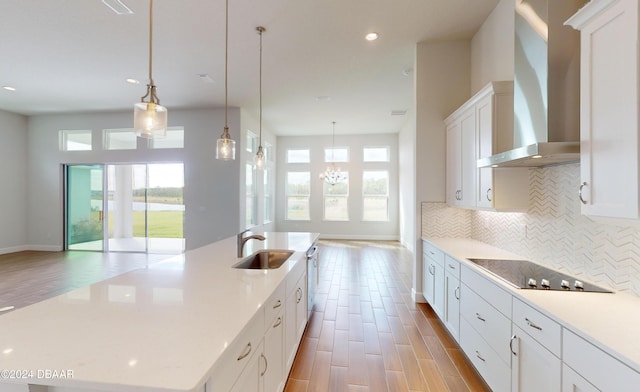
{"type": "Point", "coordinates": [359, 237]}
{"type": "Point", "coordinates": [417, 297]}
{"type": "Point", "coordinates": [13, 249]}
{"type": "Point", "coordinates": [45, 248]}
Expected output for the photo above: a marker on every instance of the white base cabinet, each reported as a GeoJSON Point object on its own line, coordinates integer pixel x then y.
{"type": "Point", "coordinates": [534, 368]}
{"type": "Point", "coordinates": [295, 315]}
{"type": "Point", "coordinates": [433, 278]}
{"type": "Point", "coordinates": [452, 296]}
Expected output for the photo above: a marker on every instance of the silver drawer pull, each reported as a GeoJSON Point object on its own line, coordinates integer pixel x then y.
{"type": "Point", "coordinates": [299, 291]}
{"type": "Point", "coordinates": [480, 317]}
{"type": "Point", "coordinates": [266, 365]}
{"type": "Point", "coordinates": [246, 353]}
{"type": "Point", "coordinates": [480, 356]}
{"type": "Point", "coordinates": [278, 304]}
{"type": "Point", "coordinates": [532, 324]}
{"type": "Point", "coordinates": [456, 292]}
{"type": "Point", "coordinates": [511, 345]}
{"type": "Point", "coordinates": [451, 266]}
{"type": "Point", "coordinates": [582, 200]}
{"type": "Point", "coordinates": [278, 322]}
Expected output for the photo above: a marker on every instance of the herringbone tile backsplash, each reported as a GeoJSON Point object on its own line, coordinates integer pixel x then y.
{"type": "Point", "coordinates": [552, 232]}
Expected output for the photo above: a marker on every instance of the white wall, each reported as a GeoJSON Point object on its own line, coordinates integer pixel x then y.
{"type": "Point", "coordinates": [407, 182]}
{"type": "Point", "coordinates": [211, 187]}
{"type": "Point", "coordinates": [13, 177]}
{"type": "Point", "coordinates": [355, 228]}
{"type": "Point", "coordinates": [492, 47]}
{"type": "Point", "coordinates": [442, 85]}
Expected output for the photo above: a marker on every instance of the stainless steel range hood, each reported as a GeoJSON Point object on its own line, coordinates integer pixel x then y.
{"type": "Point", "coordinates": [546, 86]}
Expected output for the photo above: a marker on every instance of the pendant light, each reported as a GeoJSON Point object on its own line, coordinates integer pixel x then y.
{"type": "Point", "coordinates": [259, 158]}
{"type": "Point", "coordinates": [226, 147]}
{"type": "Point", "coordinates": [149, 117]}
{"type": "Point", "coordinates": [332, 174]}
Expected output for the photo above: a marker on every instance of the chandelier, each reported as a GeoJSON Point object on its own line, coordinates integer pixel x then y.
{"type": "Point", "coordinates": [332, 174]}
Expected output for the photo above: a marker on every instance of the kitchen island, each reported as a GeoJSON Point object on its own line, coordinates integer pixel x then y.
{"type": "Point", "coordinates": [161, 328]}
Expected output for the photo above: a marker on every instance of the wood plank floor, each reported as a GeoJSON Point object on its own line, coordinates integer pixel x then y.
{"type": "Point", "coordinates": [366, 334]}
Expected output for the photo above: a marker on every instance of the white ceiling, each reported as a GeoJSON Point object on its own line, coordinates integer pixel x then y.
{"type": "Point", "coordinates": [74, 56]}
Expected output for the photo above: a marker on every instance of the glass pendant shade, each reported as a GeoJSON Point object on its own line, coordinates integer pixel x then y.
{"type": "Point", "coordinates": [149, 120]}
{"type": "Point", "coordinates": [332, 175]}
{"type": "Point", "coordinates": [226, 147]}
{"type": "Point", "coordinates": [258, 159]}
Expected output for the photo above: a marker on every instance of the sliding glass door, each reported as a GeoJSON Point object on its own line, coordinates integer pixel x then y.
{"type": "Point", "coordinates": [143, 205]}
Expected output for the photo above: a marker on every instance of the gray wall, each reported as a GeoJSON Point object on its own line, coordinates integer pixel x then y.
{"type": "Point", "coordinates": [212, 187]}
{"type": "Point", "coordinates": [13, 182]}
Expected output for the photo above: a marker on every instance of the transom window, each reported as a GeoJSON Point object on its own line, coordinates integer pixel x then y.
{"type": "Point", "coordinates": [76, 140]}
{"type": "Point", "coordinates": [337, 154]}
{"type": "Point", "coordinates": [298, 156]}
{"type": "Point", "coordinates": [375, 154]}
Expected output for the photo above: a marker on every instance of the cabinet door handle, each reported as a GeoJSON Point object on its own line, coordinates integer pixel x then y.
{"type": "Point", "coordinates": [266, 365]}
{"type": "Point", "coordinates": [299, 291]}
{"type": "Point", "coordinates": [532, 324]}
{"type": "Point", "coordinates": [278, 322]}
{"type": "Point", "coordinates": [246, 353]}
{"type": "Point", "coordinates": [480, 317]}
{"type": "Point", "coordinates": [278, 304]}
{"type": "Point", "coordinates": [451, 266]}
{"type": "Point", "coordinates": [480, 356]}
{"type": "Point", "coordinates": [511, 345]}
{"type": "Point", "coordinates": [582, 200]}
{"type": "Point", "coordinates": [489, 198]}
{"type": "Point", "coordinates": [432, 269]}
{"type": "Point", "coordinates": [456, 292]}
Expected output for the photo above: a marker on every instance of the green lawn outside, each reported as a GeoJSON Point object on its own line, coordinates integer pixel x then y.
{"type": "Point", "coordinates": [162, 224]}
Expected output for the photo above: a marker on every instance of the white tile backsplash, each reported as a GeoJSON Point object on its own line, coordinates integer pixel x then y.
{"type": "Point", "coordinates": [552, 232]}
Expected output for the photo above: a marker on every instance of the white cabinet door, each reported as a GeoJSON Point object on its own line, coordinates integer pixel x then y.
{"type": "Point", "coordinates": [468, 159]}
{"type": "Point", "coordinates": [438, 290]}
{"type": "Point", "coordinates": [533, 368]}
{"type": "Point", "coordinates": [295, 319]}
{"type": "Point", "coordinates": [609, 108]}
{"type": "Point", "coordinates": [428, 275]}
{"type": "Point", "coordinates": [250, 379]}
{"type": "Point", "coordinates": [573, 382]}
{"type": "Point", "coordinates": [452, 296]}
{"type": "Point", "coordinates": [274, 376]}
{"type": "Point", "coordinates": [453, 169]}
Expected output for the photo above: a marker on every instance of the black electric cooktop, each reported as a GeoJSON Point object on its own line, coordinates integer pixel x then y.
{"type": "Point", "coordinates": [528, 275]}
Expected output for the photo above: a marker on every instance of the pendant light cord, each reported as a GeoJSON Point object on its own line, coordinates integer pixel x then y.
{"type": "Point", "coordinates": [260, 31]}
{"type": "Point", "coordinates": [150, 41]}
{"type": "Point", "coordinates": [333, 145]}
{"type": "Point", "coordinates": [226, 62]}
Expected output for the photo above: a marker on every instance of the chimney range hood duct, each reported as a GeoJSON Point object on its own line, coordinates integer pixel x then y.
{"type": "Point", "coordinates": [546, 86]}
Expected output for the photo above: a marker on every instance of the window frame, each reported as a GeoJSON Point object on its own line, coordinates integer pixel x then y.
{"type": "Point", "coordinates": [345, 196]}
{"type": "Point", "coordinates": [289, 195]}
{"type": "Point", "coordinates": [375, 196]}
{"type": "Point", "coordinates": [63, 139]}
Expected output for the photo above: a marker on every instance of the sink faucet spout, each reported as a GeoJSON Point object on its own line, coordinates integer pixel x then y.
{"type": "Point", "coordinates": [241, 240]}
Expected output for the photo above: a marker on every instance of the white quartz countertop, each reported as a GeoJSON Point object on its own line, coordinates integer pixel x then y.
{"type": "Point", "coordinates": [609, 321]}
{"type": "Point", "coordinates": [160, 328]}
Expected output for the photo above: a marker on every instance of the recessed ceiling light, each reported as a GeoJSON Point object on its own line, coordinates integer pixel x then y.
{"type": "Point", "coordinates": [9, 88]}
{"type": "Point", "coordinates": [371, 36]}
{"type": "Point", "coordinates": [536, 156]}
{"type": "Point", "coordinates": [133, 81]}
{"type": "Point", "coordinates": [400, 112]}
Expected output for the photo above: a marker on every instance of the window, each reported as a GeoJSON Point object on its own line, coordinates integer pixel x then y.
{"type": "Point", "coordinates": [251, 196]}
{"type": "Point", "coordinates": [298, 156]}
{"type": "Point", "coordinates": [268, 194]}
{"type": "Point", "coordinates": [252, 142]}
{"type": "Point", "coordinates": [336, 200]}
{"type": "Point", "coordinates": [74, 140]}
{"type": "Point", "coordinates": [119, 139]}
{"type": "Point", "coordinates": [174, 139]}
{"type": "Point", "coordinates": [375, 154]}
{"type": "Point", "coordinates": [338, 154]}
{"type": "Point", "coordinates": [375, 195]}
{"type": "Point", "coordinates": [298, 193]}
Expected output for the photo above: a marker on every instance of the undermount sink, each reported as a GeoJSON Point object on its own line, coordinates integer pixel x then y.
{"type": "Point", "coordinates": [265, 259]}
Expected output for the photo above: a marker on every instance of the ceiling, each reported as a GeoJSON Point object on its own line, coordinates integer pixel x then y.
{"type": "Point", "coordinates": [72, 56]}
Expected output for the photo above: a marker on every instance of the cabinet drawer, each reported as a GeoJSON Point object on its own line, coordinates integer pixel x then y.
{"type": "Point", "coordinates": [487, 321]}
{"type": "Point", "coordinates": [540, 327]}
{"type": "Point", "coordinates": [433, 252]}
{"type": "Point", "coordinates": [488, 363]}
{"type": "Point", "coordinates": [238, 354]}
{"type": "Point", "coordinates": [274, 305]}
{"type": "Point", "coordinates": [602, 370]}
{"type": "Point", "coordinates": [500, 299]}
{"type": "Point", "coordinates": [452, 266]}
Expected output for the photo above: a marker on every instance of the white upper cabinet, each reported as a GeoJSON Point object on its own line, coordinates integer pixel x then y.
{"type": "Point", "coordinates": [481, 127]}
{"type": "Point", "coordinates": [609, 108]}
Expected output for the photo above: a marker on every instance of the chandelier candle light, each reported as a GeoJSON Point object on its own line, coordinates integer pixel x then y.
{"type": "Point", "coordinates": [332, 174]}
{"type": "Point", "coordinates": [259, 158]}
{"type": "Point", "coordinates": [149, 117]}
{"type": "Point", "coordinates": [226, 147]}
